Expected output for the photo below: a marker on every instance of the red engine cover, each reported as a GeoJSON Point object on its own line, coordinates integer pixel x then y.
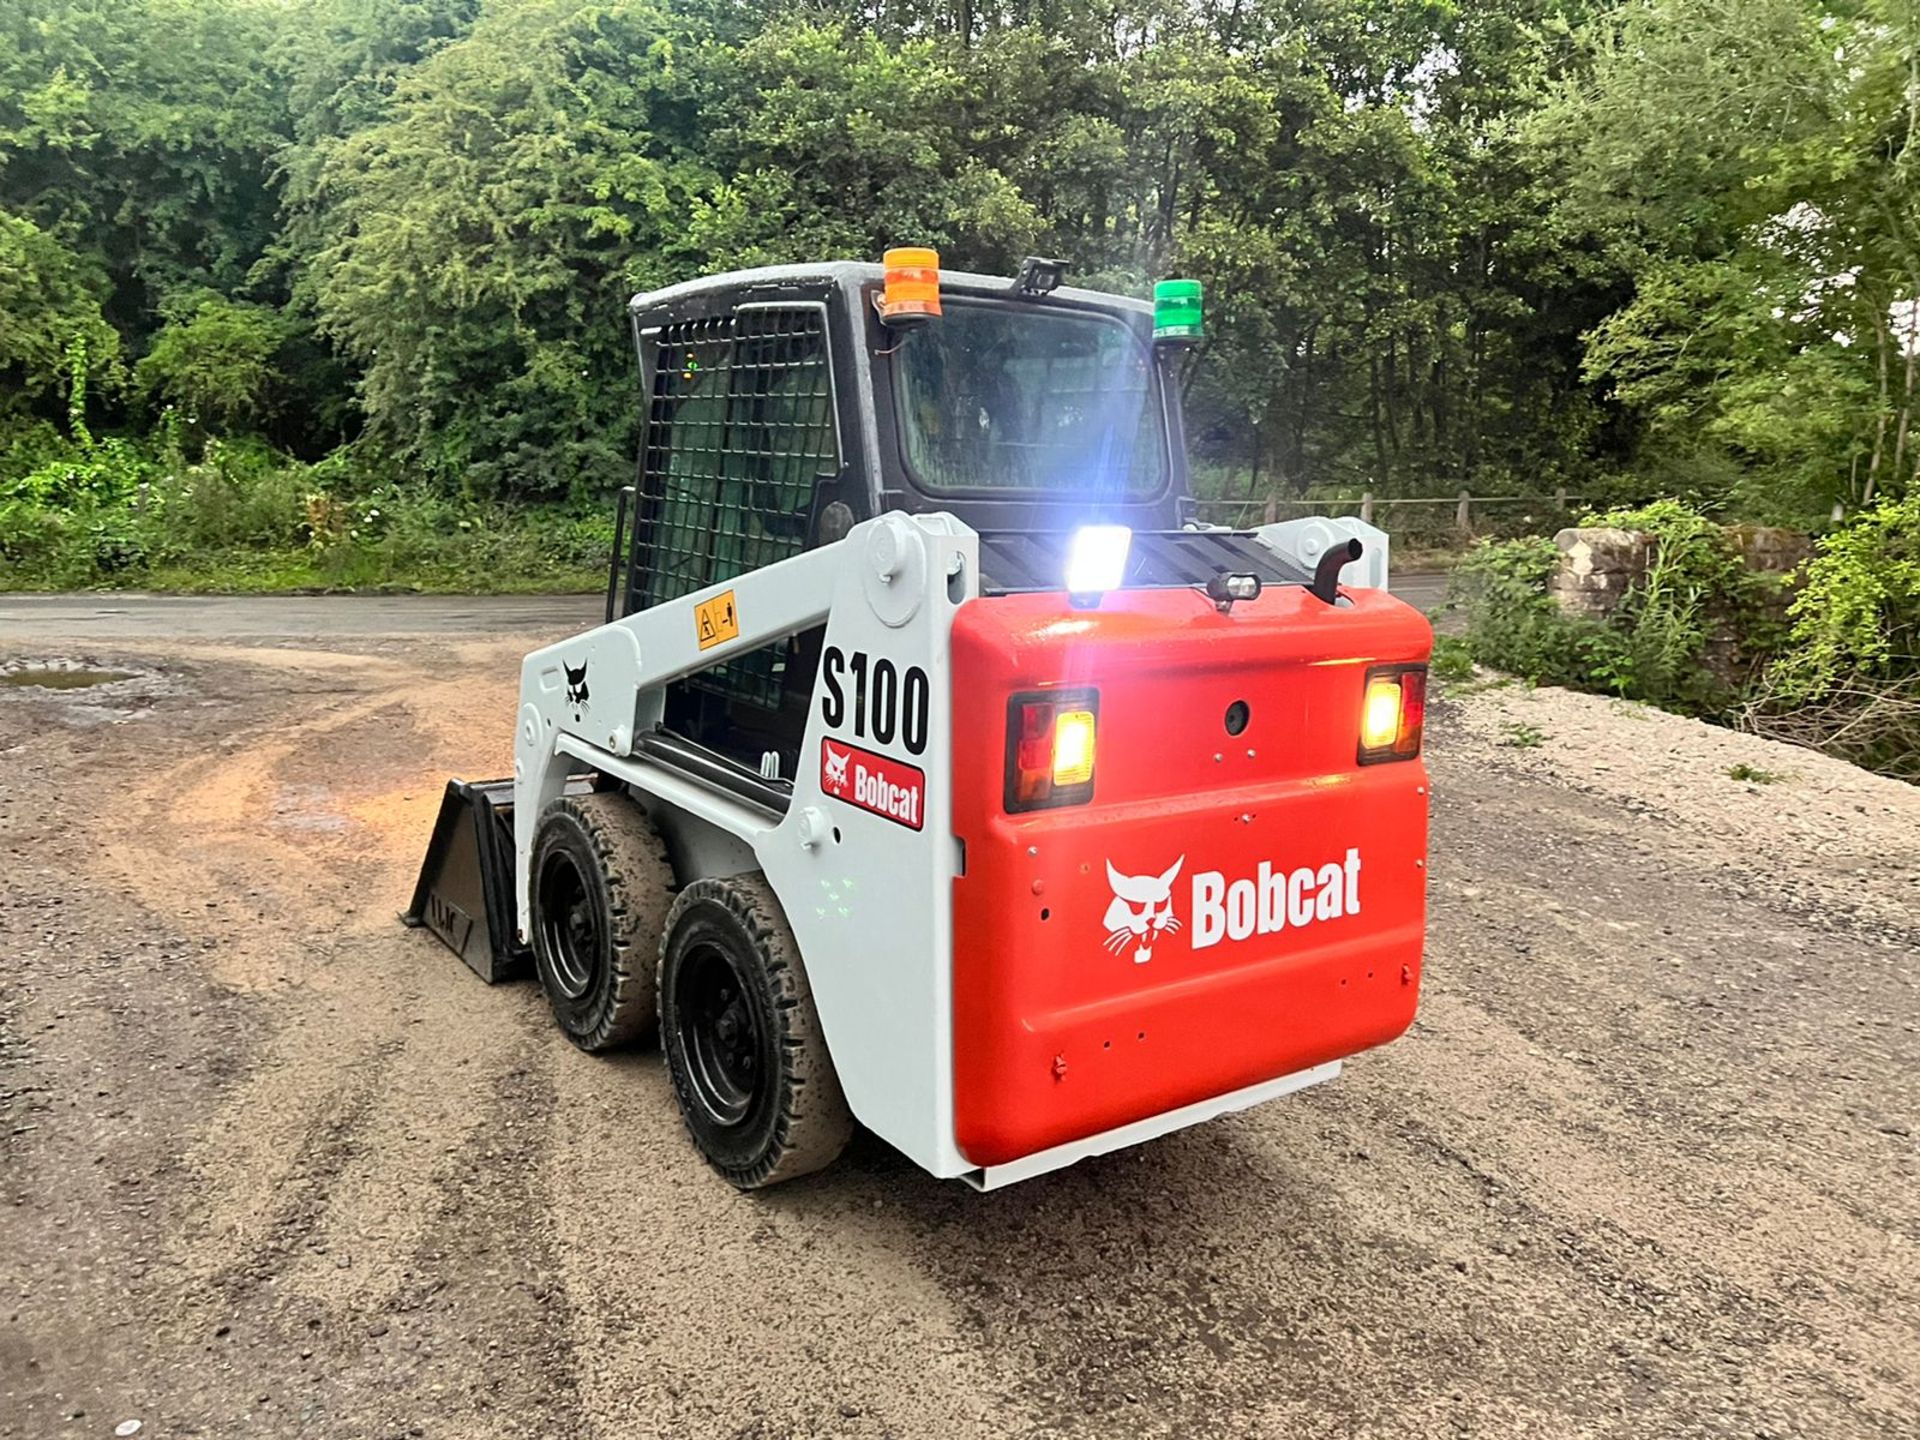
{"type": "Point", "coordinates": [1227, 909]}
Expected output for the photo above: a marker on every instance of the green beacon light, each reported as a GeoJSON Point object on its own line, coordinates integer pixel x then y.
{"type": "Point", "coordinates": [1176, 310]}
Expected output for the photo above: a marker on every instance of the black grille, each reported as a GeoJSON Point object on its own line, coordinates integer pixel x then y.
{"type": "Point", "coordinates": [1012, 560]}
{"type": "Point", "coordinates": [740, 429]}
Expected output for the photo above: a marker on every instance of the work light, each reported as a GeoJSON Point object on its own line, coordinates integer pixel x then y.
{"type": "Point", "coordinates": [1097, 558]}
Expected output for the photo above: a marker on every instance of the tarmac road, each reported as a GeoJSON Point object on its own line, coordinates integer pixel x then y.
{"type": "Point", "coordinates": [271, 1165]}
{"type": "Point", "coordinates": [120, 614]}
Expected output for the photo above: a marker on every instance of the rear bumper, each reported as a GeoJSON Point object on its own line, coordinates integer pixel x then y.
{"type": "Point", "coordinates": [993, 1177]}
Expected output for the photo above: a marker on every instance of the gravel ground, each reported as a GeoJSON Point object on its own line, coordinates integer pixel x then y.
{"type": "Point", "coordinates": [272, 1165]}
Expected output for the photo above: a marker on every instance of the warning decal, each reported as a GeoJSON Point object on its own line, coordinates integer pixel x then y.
{"type": "Point", "coordinates": [716, 621]}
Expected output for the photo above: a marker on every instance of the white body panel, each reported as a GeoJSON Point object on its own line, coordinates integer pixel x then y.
{"type": "Point", "coordinates": [1305, 540]}
{"type": "Point", "coordinates": [870, 901]}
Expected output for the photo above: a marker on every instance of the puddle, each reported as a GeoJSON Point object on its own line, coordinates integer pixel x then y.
{"type": "Point", "coordinates": [63, 679]}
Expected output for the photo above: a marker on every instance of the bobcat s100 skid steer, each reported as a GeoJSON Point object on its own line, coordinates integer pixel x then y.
{"type": "Point", "coordinates": [933, 769]}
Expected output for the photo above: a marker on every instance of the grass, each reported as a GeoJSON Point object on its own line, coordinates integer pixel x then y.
{"type": "Point", "coordinates": [1753, 774]}
{"type": "Point", "coordinates": [1452, 660]}
{"type": "Point", "coordinates": [247, 521]}
{"type": "Point", "coordinates": [1518, 735]}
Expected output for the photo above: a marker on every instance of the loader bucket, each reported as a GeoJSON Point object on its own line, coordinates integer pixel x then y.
{"type": "Point", "coordinates": [465, 892]}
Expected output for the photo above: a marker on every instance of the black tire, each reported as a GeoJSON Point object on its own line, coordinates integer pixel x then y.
{"type": "Point", "coordinates": [750, 1066]}
{"type": "Point", "coordinates": [601, 891]}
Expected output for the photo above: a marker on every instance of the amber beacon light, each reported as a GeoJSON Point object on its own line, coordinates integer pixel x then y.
{"type": "Point", "coordinates": [912, 285]}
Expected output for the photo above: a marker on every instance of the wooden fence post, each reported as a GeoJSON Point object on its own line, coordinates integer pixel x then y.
{"type": "Point", "coordinates": [1273, 508]}
{"type": "Point", "coordinates": [1463, 513]}
{"type": "Point", "coordinates": [1560, 497]}
{"type": "Point", "coordinates": [1366, 506]}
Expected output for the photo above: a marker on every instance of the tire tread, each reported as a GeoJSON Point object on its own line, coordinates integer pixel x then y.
{"type": "Point", "coordinates": [812, 1122]}
{"type": "Point", "coordinates": [640, 887]}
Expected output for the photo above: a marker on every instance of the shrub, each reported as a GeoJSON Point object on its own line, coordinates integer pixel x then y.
{"type": "Point", "coordinates": [1857, 616]}
{"type": "Point", "coordinates": [215, 359]}
{"type": "Point", "coordinates": [1686, 636]}
{"type": "Point", "coordinates": [1513, 624]}
{"type": "Point", "coordinates": [1848, 680]}
{"type": "Point", "coordinates": [245, 517]}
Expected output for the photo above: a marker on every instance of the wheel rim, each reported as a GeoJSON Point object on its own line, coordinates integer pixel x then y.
{"type": "Point", "coordinates": [719, 1035]}
{"type": "Point", "coordinates": [570, 926]}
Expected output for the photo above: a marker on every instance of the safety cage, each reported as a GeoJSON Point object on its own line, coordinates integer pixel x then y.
{"type": "Point", "coordinates": [740, 456]}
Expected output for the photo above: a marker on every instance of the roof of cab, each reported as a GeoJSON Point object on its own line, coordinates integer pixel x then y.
{"type": "Point", "coordinates": [851, 274]}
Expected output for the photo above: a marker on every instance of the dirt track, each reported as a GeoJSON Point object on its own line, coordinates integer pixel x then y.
{"type": "Point", "coordinates": [271, 1165]}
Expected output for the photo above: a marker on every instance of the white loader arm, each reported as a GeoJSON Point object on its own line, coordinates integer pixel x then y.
{"type": "Point", "coordinates": [881, 969]}
{"type": "Point", "coordinates": [598, 690]}
{"type": "Point", "coordinates": [589, 697]}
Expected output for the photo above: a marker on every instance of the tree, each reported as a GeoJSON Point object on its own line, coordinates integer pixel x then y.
{"type": "Point", "coordinates": [216, 360]}
{"type": "Point", "coordinates": [49, 311]}
{"type": "Point", "coordinates": [471, 252]}
{"type": "Point", "coordinates": [1752, 164]}
{"type": "Point", "coordinates": [143, 133]}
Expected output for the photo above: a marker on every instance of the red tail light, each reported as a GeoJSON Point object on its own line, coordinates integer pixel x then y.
{"type": "Point", "coordinates": [1393, 711]}
{"type": "Point", "coordinates": [1050, 748]}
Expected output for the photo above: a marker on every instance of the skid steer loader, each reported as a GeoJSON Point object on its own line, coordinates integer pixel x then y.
{"type": "Point", "coordinates": [933, 768]}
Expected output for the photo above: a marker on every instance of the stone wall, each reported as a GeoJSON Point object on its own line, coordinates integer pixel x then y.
{"type": "Point", "coordinates": [1598, 565]}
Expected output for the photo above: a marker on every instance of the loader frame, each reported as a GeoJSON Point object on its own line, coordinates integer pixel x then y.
{"type": "Point", "coordinates": [869, 590]}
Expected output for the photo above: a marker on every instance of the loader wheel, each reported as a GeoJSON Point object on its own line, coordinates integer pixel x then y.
{"type": "Point", "coordinates": [602, 887]}
{"type": "Point", "coordinates": [743, 1042]}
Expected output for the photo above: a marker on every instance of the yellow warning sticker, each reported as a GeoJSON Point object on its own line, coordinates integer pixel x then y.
{"type": "Point", "coordinates": [716, 621]}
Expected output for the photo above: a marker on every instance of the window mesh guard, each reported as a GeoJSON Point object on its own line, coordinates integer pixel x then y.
{"type": "Point", "coordinates": [740, 430]}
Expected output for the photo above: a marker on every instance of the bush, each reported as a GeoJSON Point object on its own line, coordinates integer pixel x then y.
{"type": "Point", "coordinates": [1858, 615]}
{"type": "Point", "coordinates": [247, 518]}
{"type": "Point", "coordinates": [1687, 636]}
{"type": "Point", "coordinates": [1848, 680]}
{"type": "Point", "coordinates": [1513, 624]}
{"type": "Point", "coordinates": [215, 359]}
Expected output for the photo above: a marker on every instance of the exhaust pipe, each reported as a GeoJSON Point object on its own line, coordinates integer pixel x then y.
{"type": "Point", "coordinates": [1326, 575]}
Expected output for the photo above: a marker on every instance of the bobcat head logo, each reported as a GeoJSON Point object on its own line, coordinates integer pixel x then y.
{"type": "Point", "coordinates": [835, 771]}
{"type": "Point", "coordinates": [576, 683]}
{"type": "Point", "coordinates": [1142, 910]}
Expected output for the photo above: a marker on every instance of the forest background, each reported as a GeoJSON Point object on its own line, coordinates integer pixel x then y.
{"type": "Point", "coordinates": [330, 292]}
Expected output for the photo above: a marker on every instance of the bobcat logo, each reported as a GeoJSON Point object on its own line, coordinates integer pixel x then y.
{"type": "Point", "coordinates": [1142, 910]}
{"type": "Point", "coordinates": [576, 683]}
{"type": "Point", "coordinates": [835, 772]}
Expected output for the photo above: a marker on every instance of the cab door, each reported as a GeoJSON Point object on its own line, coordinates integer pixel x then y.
{"type": "Point", "coordinates": [741, 465]}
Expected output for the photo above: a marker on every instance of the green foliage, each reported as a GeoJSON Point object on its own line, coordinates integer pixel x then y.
{"type": "Point", "coordinates": [244, 517]}
{"type": "Point", "coordinates": [1514, 625]}
{"type": "Point", "coordinates": [144, 131]}
{"type": "Point", "coordinates": [1518, 735]}
{"type": "Point", "coordinates": [1750, 164]}
{"type": "Point", "coordinates": [1452, 661]}
{"type": "Point", "coordinates": [475, 245]}
{"type": "Point", "coordinates": [1679, 637]}
{"type": "Point", "coordinates": [1753, 775]}
{"type": "Point", "coordinates": [49, 304]}
{"type": "Point", "coordinates": [1857, 617]}
{"type": "Point", "coordinates": [216, 359]}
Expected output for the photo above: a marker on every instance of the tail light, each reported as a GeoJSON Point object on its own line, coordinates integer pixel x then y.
{"type": "Point", "coordinates": [1050, 748]}
{"type": "Point", "coordinates": [1393, 708]}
